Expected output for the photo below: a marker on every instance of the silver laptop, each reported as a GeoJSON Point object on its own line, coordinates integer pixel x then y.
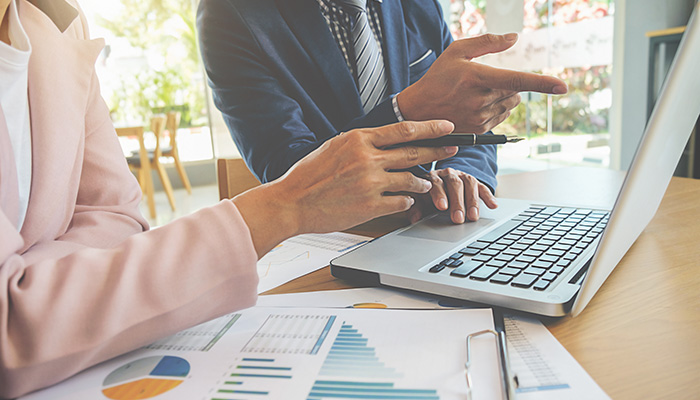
{"type": "Point", "coordinates": [545, 259]}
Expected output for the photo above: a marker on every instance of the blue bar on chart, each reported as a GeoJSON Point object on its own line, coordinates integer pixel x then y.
{"type": "Point", "coordinates": [353, 363]}
{"type": "Point", "coordinates": [251, 377]}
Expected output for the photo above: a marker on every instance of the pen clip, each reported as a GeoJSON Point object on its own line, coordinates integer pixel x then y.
{"type": "Point", "coordinates": [508, 381]}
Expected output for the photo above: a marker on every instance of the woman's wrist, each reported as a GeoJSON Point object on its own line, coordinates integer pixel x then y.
{"type": "Point", "coordinates": [271, 215]}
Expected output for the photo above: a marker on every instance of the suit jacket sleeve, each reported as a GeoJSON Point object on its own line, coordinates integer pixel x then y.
{"type": "Point", "coordinates": [267, 124]}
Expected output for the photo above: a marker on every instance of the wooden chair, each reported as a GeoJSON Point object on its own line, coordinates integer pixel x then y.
{"type": "Point", "coordinates": [142, 174]}
{"type": "Point", "coordinates": [146, 160]}
{"type": "Point", "coordinates": [171, 125]}
{"type": "Point", "coordinates": [234, 177]}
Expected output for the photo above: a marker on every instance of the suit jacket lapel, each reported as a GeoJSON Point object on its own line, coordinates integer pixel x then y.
{"type": "Point", "coordinates": [394, 46]}
{"type": "Point", "coordinates": [305, 20]}
{"type": "Point", "coordinates": [61, 70]}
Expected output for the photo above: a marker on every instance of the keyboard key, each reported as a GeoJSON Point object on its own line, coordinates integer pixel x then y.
{"type": "Point", "coordinates": [576, 250]}
{"type": "Point", "coordinates": [534, 271]}
{"type": "Point", "coordinates": [469, 251]}
{"type": "Point", "coordinates": [563, 263]}
{"type": "Point", "coordinates": [527, 242]}
{"type": "Point", "coordinates": [512, 252]}
{"type": "Point", "coordinates": [538, 247]}
{"type": "Point", "coordinates": [545, 242]}
{"type": "Point", "coordinates": [504, 257]}
{"type": "Point", "coordinates": [524, 280]}
{"type": "Point", "coordinates": [500, 231]}
{"type": "Point", "coordinates": [466, 269]}
{"type": "Point", "coordinates": [532, 253]}
{"type": "Point", "coordinates": [549, 276]}
{"type": "Point", "coordinates": [550, 259]}
{"type": "Point", "coordinates": [510, 271]}
{"type": "Point", "coordinates": [570, 256]}
{"type": "Point", "coordinates": [550, 210]}
{"type": "Point", "coordinates": [556, 270]}
{"type": "Point", "coordinates": [455, 263]}
{"type": "Point", "coordinates": [456, 256]}
{"type": "Point", "coordinates": [511, 237]}
{"type": "Point", "coordinates": [437, 268]}
{"type": "Point", "coordinates": [541, 285]}
{"type": "Point", "coordinates": [505, 242]}
{"type": "Point", "coordinates": [567, 242]}
{"type": "Point", "coordinates": [525, 259]}
{"type": "Point", "coordinates": [496, 263]}
{"type": "Point", "coordinates": [542, 264]}
{"type": "Point", "coordinates": [561, 247]}
{"type": "Point", "coordinates": [483, 273]}
{"type": "Point", "coordinates": [481, 258]}
{"type": "Point", "coordinates": [478, 245]}
{"type": "Point", "coordinates": [490, 252]}
{"type": "Point", "coordinates": [501, 279]}
{"type": "Point", "coordinates": [555, 253]}
{"type": "Point", "coordinates": [499, 247]}
{"type": "Point", "coordinates": [517, 264]}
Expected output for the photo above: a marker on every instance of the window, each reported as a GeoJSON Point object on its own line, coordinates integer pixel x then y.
{"type": "Point", "coordinates": [571, 39]}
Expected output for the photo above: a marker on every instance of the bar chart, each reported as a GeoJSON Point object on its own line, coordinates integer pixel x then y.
{"type": "Point", "coordinates": [358, 373]}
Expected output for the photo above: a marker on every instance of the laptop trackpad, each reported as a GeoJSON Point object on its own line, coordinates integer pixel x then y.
{"type": "Point", "coordinates": [441, 228]}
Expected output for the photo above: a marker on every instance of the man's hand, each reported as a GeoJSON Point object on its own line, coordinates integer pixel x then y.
{"type": "Point", "coordinates": [350, 179]}
{"type": "Point", "coordinates": [475, 97]}
{"type": "Point", "coordinates": [456, 190]}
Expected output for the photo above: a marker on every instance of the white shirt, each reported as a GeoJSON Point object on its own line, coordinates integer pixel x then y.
{"type": "Point", "coordinates": [14, 100]}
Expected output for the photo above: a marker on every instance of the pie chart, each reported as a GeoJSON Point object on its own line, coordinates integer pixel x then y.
{"type": "Point", "coordinates": [145, 378]}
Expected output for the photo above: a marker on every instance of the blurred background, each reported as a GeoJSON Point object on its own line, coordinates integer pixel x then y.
{"type": "Point", "coordinates": [613, 54]}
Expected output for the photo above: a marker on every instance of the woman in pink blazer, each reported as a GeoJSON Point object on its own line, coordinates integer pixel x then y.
{"type": "Point", "coordinates": [81, 277]}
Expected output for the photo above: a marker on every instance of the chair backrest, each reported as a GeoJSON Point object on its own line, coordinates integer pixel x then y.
{"type": "Point", "coordinates": [172, 123]}
{"type": "Point", "coordinates": [136, 131]}
{"type": "Point", "coordinates": [158, 127]}
{"type": "Point", "coordinates": [234, 177]}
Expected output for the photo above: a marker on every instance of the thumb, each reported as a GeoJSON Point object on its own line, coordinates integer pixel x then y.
{"type": "Point", "coordinates": [485, 44]}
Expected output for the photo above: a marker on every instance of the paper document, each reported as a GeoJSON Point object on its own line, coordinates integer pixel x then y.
{"type": "Point", "coordinates": [303, 353]}
{"type": "Point", "coordinates": [301, 255]}
{"type": "Point", "coordinates": [544, 368]}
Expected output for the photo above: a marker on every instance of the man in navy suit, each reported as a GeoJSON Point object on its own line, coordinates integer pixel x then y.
{"type": "Point", "coordinates": [288, 75]}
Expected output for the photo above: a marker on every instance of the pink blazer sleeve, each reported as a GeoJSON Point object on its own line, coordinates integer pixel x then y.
{"type": "Point", "coordinates": [86, 283]}
{"type": "Point", "coordinates": [59, 316]}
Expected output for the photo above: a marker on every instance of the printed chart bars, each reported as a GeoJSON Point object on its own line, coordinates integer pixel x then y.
{"type": "Point", "coordinates": [351, 361]}
{"type": "Point", "coordinates": [533, 372]}
{"type": "Point", "coordinates": [145, 378]}
{"type": "Point", "coordinates": [290, 334]}
{"type": "Point", "coordinates": [198, 338]}
{"type": "Point", "coordinates": [253, 377]}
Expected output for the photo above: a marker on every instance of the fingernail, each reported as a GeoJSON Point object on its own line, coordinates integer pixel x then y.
{"type": "Point", "coordinates": [473, 213]}
{"type": "Point", "coordinates": [450, 149]}
{"type": "Point", "coordinates": [445, 126]}
{"type": "Point", "coordinates": [510, 36]}
{"type": "Point", "coordinates": [560, 89]}
{"type": "Point", "coordinates": [442, 204]}
{"type": "Point", "coordinates": [458, 217]}
{"type": "Point", "coordinates": [427, 185]}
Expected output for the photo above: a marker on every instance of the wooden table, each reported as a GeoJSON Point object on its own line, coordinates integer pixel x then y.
{"type": "Point", "coordinates": [639, 337]}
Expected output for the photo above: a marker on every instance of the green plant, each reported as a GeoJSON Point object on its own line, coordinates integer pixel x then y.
{"type": "Point", "coordinates": [165, 29]}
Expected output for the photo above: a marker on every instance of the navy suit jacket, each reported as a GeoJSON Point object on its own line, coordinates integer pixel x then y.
{"type": "Point", "coordinates": [283, 85]}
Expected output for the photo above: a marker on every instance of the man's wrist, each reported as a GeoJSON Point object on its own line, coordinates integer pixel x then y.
{"type": "Point", "coordinates": [397, 109]}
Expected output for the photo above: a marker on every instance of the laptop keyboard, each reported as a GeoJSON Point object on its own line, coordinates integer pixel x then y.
{"type": "Point", "coordinates": [529, 251]}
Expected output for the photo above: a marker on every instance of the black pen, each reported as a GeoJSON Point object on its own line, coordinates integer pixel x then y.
{"type": "Point", "coordinates": [462, 139]}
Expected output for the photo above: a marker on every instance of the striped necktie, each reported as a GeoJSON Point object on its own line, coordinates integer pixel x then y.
{"type": "Point", "coordinates": [371, 79]}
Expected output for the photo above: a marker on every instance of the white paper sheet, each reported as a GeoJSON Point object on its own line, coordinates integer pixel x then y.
{"type": "Point", "coordinates": [544, 368]}
{"type": "Point", "coordinates": [302, 353]}
{"type": "Point", "coordinates": [301, 255]}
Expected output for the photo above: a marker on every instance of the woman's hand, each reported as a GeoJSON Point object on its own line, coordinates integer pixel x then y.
{"type": "Point", "coordinates": [345, 182]}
